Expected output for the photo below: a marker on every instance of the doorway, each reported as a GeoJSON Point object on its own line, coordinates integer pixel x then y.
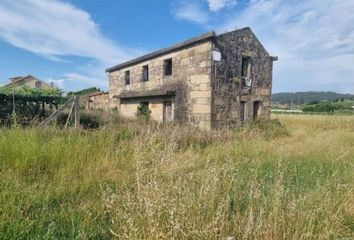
{"type": "Point", "coordinates": [256, 107]}
{"type": "Point", "coordinates": [242, 112]}
{"type": "Point", "coordinates": [167, 111]}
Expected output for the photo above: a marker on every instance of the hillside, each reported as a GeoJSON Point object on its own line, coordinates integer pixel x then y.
{"type": "Point", "coordinates": [308, 97]}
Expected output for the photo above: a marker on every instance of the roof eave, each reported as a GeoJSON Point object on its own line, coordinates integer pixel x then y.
{"type": "Point", "coordinates": [193, 41]}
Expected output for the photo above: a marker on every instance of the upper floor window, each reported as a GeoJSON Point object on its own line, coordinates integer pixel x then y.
{"type": "Point", "coordinates": [145, 76]}
{"type": "Point", "coordinates": [167, 67]}
{"type": "Point", "coordinates": [127, 78]}
{"type": "Point", "coordinates": [246, 68]}
{"type": "Point", "coordinates": [38, 84]}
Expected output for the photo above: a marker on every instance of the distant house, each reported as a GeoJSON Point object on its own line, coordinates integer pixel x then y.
{"type": "Point", "coordinates": [30, 82]}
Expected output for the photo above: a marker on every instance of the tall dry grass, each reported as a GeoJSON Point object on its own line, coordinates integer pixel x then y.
{"type": "Point", "coordinates": [147, 181]}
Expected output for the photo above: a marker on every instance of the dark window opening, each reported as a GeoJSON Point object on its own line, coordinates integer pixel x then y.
{"type": "Point", "coordinates": [168, 67]}
{"type": "Point", "coordinates": [38, 84]}
{"type": "Point", "coordinates": [167, 111]}
{"type": "Point", "coordinates": [90, 104]}
{"type": "Point", "coordinates": [127, 78]}
{"type": "Point", "coordinates": [145, 73]}
{"type": "Point", "coordinates": [256, 107]}
{"type": "Point", "coordinates": [242, 111]}
{"type": "Point", "coordinates": [246, 68]}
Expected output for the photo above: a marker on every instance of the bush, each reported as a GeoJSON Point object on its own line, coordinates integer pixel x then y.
{"type": "Point", "coordinates": [88, 120]}
{"type": "Point", "coordinates": [322, 107]}
{"type": "Point", "coordinates": [270, 129]}
{"type": "Point", "coordinates": [143, 111]}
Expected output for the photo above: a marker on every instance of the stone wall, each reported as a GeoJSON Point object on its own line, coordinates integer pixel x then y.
{"type": "Point", "coordinates": [227, 90]}
{"type": "Point", "coordinates": [203, 92]}
{"type": "Point", "coordinates": [190, 80]}
{"type": "Point", "coordinates": [97, 101]}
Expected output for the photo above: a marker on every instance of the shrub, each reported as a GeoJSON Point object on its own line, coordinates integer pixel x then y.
{"type": "Point", "coordinates": [143, 111]}
{"type": "Point", "coordinates": [88, 120]}
{"type": "Point", "coordinates": [322, 107]}
{"type": "Point", "coordinates": [270, 128]}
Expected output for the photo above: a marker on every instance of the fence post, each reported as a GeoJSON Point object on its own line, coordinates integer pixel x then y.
{"type": "Point", "coordinates": [77, 112]}
{"type": "Point", "coordinates": [13, 100]}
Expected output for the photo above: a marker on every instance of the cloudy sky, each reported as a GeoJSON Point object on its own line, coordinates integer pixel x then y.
{"type": "Point", "coordinates": [71, 42]}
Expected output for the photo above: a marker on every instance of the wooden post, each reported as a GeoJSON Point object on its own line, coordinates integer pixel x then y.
{"type": "Point", "coordinates": [69, 116]}
{"type": "Point", "coordinates": [56, 113]}
{"type": "Point", "coordinates": [77, 112]}
{"type": "Point", "coordinates": [43, 108]}
{"type": "Point", "coordinates": [13, 100]}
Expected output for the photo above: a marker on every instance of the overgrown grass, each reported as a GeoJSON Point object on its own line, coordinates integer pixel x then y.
{"type": "Point", "coordinates": [145, 181]}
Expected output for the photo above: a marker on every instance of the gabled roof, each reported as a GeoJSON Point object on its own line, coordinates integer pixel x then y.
{"type": "Point", "coordinates": [193, 41]}
{"type": "Point", "coordinates": [15, 78]}
{"type": "Point", "coordinates": [18, 79]}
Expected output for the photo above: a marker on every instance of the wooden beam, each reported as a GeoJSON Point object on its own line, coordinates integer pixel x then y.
{"type": "Point", "coordinates": [56, 113]}
{"type": "Point", "coordinates": [68, 119]}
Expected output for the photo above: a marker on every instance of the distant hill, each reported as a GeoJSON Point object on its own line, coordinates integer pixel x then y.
{"type": "Point", "coordinates": [308, 97]}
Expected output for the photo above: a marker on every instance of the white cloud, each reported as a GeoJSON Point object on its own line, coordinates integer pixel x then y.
{"type": "Point", "coordinates": [314, 41]}
{"type": "Point", "coordinates": [56, 29]}
{"type": "Point", "coordinates": [200, 11]}
{"type": "Point", "coordinates": [190, 11]}
{"type": "Point", "coordinates": [216, 5]}
{"type": "Point", "coordinates": [59, 83]}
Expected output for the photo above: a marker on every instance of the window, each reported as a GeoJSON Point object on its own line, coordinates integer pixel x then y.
{"type": "Point", "coordinates": [90, 104]}
{"type": "Point", "coordinates": [246, 71]}
{"type": "Point", "coordinates": [256, 106]}
{"type": "Point", "coordinates": [145, 73]}
{"type": "Point", "coordinates": [246, 67]}
{"type": "Point", "coordinates": [242, 111]}
{"type": "Point", "coordinates": [127, 78]}
{"type": "Point", "coordinates": [38, 84]}
{"type": "Point", "coordinates": [167, 65]}
{"type": "Point", "coordinates": [167, 111]}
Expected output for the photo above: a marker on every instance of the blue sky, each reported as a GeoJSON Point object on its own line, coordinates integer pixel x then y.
{"type": "Point", "coordinates": [72, 42]}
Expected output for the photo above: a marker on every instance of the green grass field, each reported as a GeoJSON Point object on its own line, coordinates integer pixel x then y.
{"type": "Point", "coordinates": [144, 181]}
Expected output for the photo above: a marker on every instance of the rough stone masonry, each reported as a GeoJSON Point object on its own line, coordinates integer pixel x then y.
{"type": "Point", "coordinates": [211, 81]}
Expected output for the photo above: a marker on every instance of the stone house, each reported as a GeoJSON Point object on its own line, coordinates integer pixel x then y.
{"type": "Point", "coordinates": [30, 82]}
{"type": "Point", "coordinates": [95, 101]}
{"type": "Point", "coordinates": [212, 81]}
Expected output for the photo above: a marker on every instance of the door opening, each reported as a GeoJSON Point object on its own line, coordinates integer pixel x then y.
{"type": "Point", "coordinates": [167, 111]}
{"type": "Point", "coordinates": [242, 112]}
{"type": "Point", "coordinates": [256, 106]}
